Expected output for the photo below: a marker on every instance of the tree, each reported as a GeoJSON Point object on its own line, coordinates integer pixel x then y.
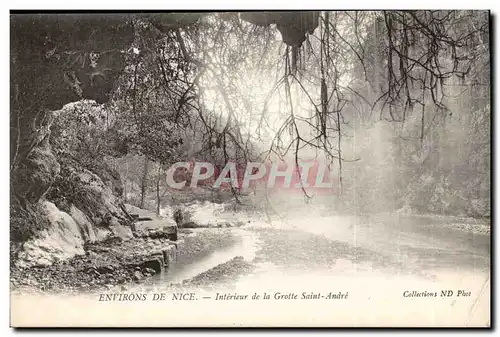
{"type": "Point", "coordinates": [175, 76]}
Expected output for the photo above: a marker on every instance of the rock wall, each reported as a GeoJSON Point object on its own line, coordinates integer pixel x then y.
{"type": "Point", "coordinates": [57, 59]}
{"type": "Point", "coordinates": [61, 241]}
{"type": "Point", "coordinates": [82, 211]}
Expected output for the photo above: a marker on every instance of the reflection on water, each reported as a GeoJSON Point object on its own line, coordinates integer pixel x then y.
{"type": "Point", "coordinates": [374, 260]}
{"type": "Point", "coordinates": [246, 249]}
{"type": "Point", "coordinates": [385, 252]}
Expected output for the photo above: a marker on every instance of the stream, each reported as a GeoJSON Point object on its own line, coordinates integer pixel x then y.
{"type": "Point", "coordinates": [387, 252]}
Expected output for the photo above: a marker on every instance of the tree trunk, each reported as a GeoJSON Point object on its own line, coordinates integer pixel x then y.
{"type": "Point", "coordinates": [144, 181]}
{"type": "Point", "coordinates": [158, 197]}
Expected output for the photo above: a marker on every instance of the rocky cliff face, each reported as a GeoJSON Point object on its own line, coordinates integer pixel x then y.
{"type": "Point", "coordinates": [62, 239]}
{"type": "Point", "coordinates": [79, 208]}
{"type": "Point", "coordinates": [58, 59]}
{"type": "Point", "coordinates": [55, 60]}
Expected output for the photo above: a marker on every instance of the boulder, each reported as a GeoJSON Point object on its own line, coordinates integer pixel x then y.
{"type": "Point", "coordinates": [156, 226]}
{"type": "Point", "coordinates": [108, 175]}
{"type": "Point", "coordinates": [61, 241]}
{"type": "Point", "coordinates": [121, 231]}
{"type": "Point", "coordinates": [36, 173]}
{"type": "Point", "coordinates": [155, 263]}
{"type": "Point", "coordinates": [88, 193]}
{"type": "Point", "coordinates": [89, 232]}
{"type": "Point", "coordinates": [83, 222]}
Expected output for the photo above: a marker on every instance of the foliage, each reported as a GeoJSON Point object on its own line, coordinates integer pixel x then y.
{"type": "Point", "coordinates": [384, 97]}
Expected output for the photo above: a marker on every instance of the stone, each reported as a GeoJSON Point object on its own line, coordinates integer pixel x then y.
{"type": "Point", "coordinates": [156, 264]}
{"type": "Point", "coordinates": [87, 193]}
{"type": "Point", "coordinates": [36, 173]}
{"type": "Point", "coordinates": [138, 276]}
{"type": "Point", "coordinates": [105, 269]}
{"type": "Point", "coordinates": [86, 227]}
{"type": "Point", "coordinates": [123, 232]}
{"type": "Point", "coordinates": [149, 271]}
{"type": "Point", "coordinates": [61, 241]}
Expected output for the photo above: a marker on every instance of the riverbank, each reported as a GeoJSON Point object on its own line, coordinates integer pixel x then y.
{"type": "Point", "coordinates": [213, 254]}
{"type": "Point", "coordinates": [115, 262]}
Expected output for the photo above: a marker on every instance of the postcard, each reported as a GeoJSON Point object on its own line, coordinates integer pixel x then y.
{"type": "Point", "coordinates": [250, 169]}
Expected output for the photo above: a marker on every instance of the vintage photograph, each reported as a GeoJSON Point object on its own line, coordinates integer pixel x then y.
{"type": "Point", "coordinates": [250, 169]}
